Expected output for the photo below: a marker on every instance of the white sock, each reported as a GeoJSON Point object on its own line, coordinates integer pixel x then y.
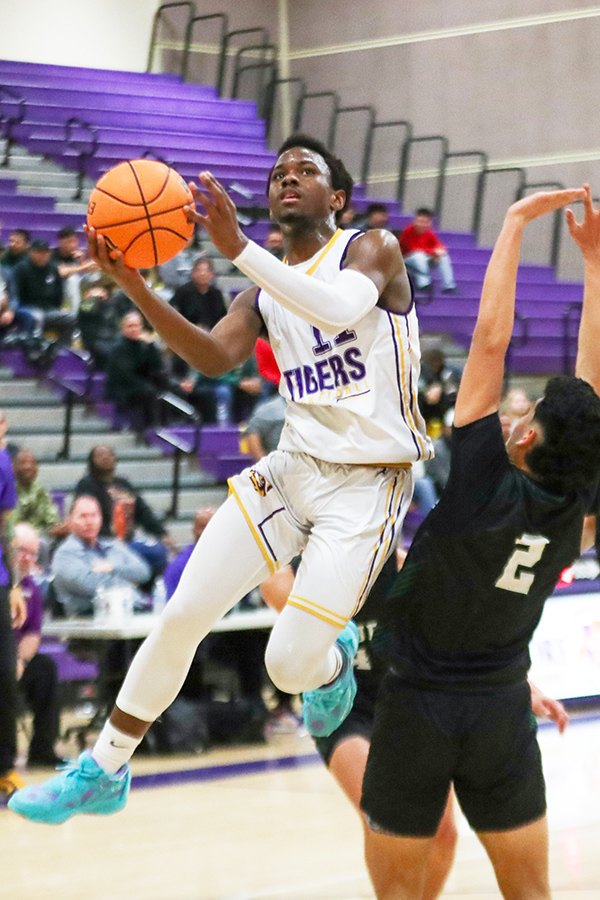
{"type": "Point", "coordinates": [114, 748]}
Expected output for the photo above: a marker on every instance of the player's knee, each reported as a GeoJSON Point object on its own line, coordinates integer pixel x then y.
{"type": "Point", "coordinates": [286, 667]}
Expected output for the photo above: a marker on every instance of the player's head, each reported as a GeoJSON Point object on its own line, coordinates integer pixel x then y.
{"type": "Point", "coordinates": [559, 439]}
{"type": "Point", "coordinates": [307, 182]}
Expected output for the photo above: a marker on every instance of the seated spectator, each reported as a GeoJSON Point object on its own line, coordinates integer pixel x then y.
{"type": "Point", "coordinates": [200, 302]}
{"type": "Point", "coordinates": [438, 468]}
{"type": "Point", "coordinates": [36, 672]}
{"type": "Point", "coordinates": [177, 271]}
{"type": "Point", "coordinates": [19, 241]}
{"type": "Point", "coordinates": [438, 387]}
{"type": "Point", "coordinates": [230, 398]}
{"type": "Point", "coordinates": [267, 366]}
{"type": "Point", "coordinates": [377, 216]}
{"type": "Point", "coordinates": [98, 319]}
{"type": "Point", "coordinates": [123, 509]}
{"type": "Point", "coordinates": [35, 506]}
{"type": "Point", "coordinates": [265, 426]}
{"type": "Point", "coordinates": [515, 404]}
{"type": "Point", "coordinates": [422, 249]}
{"type": "Point", "coordinates": [72, 262]}
{"type": "Point", "coordinates": [39, 291]}
{"type": "Point", "coordinates": [274, 241]}
{"type": "Point", "coordinates": [136, 375]}
{"type": "Point", "coordinates": [174, 569]}
{"type": "Point", "coordinates": [348, 218]}
{"type": "Point", "coordinates": [86, 562]}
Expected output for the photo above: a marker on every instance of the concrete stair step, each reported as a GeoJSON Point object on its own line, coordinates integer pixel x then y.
{"type": "Point", "coordinates": [59, 473]}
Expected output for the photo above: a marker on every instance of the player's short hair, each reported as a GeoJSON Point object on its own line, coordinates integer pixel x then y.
{"type": "Point", "coordinates": [568, 458]}
{"type": "Point", "coordinates": [340, 177]}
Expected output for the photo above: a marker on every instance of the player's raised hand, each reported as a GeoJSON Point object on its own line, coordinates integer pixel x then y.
{"type": "Point", "coordinates": [219, 216]}
{"type": "Point", "coordinates": [586, 234]}
{"type": "Point", "coordinates": [543, 202]}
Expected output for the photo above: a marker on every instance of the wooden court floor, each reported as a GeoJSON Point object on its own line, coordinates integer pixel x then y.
{"type": "Point", "coordinates": [269, 822]}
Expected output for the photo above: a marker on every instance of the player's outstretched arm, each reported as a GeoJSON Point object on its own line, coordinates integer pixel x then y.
{"type": "Point", "coordinates": [227, 346]}
{"type": "Point", "coordinates": [587, 236]}
{"type": "Point", "coordinates": [331, 307]}
{"type": "Point", "coordinates": [481, 385]}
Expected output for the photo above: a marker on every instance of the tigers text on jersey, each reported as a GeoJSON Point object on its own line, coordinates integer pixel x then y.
{"type": "Point", "coordinates": [352, 396]}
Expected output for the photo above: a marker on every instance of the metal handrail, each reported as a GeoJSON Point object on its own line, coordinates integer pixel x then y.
{"type": "Point", "coordinates": [187, 42]}
{"type": "Point", "coordinates": [299, 111]}
{"type": "Point", "coordinates": [441, 185]}
{"type": "Point", "coordinates": [481, 187]}
{"type": "Point", "coordinates": [10, 121]}
{"type": "Point", "coordinates": [405, 158]}
{"type": "Point", "coordinates": [180, 448]}
{"type": "Point", "coordinates": [342, 110]}
{"type": "Point", "coordinates": [74, 391]}
{"type": "Point", "coordinates": [238, 69]}
{"type": "Point", "coordinates": [567, 318]}
{"type": "Point", "coordinates": [83, 155]}
{"type": "Point", "coordinates": [225, 49]}
{"type": "Point", "coordinates": [265, 100]}
{"type": "Point", "coordinates": [558, 215]}
{"type": "Point", "coordinates": [271, 93]}
{"type": "Point", "coordinates": [391, 123]}
{"type": "Point", "coordinates": [149, 153]}
{"type": "Point", "coordinates": [156, 21]}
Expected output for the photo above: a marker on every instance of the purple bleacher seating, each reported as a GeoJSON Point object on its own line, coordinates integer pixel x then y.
{"type": "Point", "coordinates": [193, 128]}
{"type": "Point", "coordinates": [69, 668]}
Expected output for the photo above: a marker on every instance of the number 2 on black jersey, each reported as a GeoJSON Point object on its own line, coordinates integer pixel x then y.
{"type": "Point", "coordinates": [517, 575]}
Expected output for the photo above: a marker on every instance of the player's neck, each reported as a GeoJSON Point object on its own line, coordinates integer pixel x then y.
{"type": "Point", "coordinates": [301, 240]}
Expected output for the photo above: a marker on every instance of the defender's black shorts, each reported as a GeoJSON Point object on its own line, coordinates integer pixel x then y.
{"type": "Point", "coordinates": [484, 742]}
{"type": "Point", "coordinates": [360, 719]}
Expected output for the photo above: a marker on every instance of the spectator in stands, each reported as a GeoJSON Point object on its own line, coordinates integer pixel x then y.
{"type": "Point", "coordinates": [200, 302]}
{"type": "Point", "coordinates": [136, 374]}
{"type": "Point", "coordinates": [230, 398]}
{"type": "Point", "coordinates": [422, 249]}
{"type": "Point", "coordinates": [39, 290]}
{"type": "Point", "coordinates": [265, 426]}
{"type": "Point", "coordinates": [36, 672]}
{"type": "Point", "coordinates": [173, 572]}
{"type": "Point", "coordinates": [72, 263]}
{"type": "Point", "coordinates": [98, 319]}
{"type": "Point", "coordinates": [438, 468]}
{"type": "Point", "coordinates": [86, 562]}
{"type": "Point", "coordinates": [274, 241]}
{"type": "Point", "coordinates": [377, 216]}
{"type": "Point", "coordinates": [438, 387]}
{"type": "Point", "coordinates": [177, 271]}
{"type": "Point", "coordinates": [12, 614]}
{"type": "Point", "coordinates": [348, 218]}
{"type": "Point", "coordinates": [19, 241]}
{"type": "Point", "coordinates": [35, 506]}
{"type": "Point", "coordinates": [515, 404]}
{"type": "Point", "coordinates": [124, 511]}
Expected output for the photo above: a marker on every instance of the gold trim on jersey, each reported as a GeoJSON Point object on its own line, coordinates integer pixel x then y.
{"type": "Point", "coordinates": [402, 350]}
{"type": "Point", "coordinates": [320, 612]}
{"type": "Point", "coordinates": [322, 254]}
{"type": "Point", "coordinates": [272, 564]}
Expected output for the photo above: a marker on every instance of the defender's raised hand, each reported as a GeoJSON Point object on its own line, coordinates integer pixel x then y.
{"type": "Point", "coordinates": [539, 204]}
{"type": "Point", "coordinates": [586, 234]}
{"type": "Point", "coordinates": [219, 216]}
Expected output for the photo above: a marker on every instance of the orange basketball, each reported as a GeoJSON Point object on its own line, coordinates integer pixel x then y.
{"type": "Point", "coordinates": [138, 207]}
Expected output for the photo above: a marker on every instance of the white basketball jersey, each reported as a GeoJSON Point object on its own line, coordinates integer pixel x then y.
{"type": "Point", "coordinates": [352, 396]}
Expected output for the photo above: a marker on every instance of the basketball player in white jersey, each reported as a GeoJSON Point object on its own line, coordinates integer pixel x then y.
{"type": "Point", "coordinates": [340, 318]}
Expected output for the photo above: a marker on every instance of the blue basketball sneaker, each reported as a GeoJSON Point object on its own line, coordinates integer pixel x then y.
{"type": "Point", "coordinates": [324, 709]}
{"type": "Point", "coordinates": [82, 787]}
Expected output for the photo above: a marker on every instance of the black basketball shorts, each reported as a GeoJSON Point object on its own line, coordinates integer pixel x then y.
{"type": "Point", "coordinates": [360, 719]}
{"type": "Point", "coordinates": [484, 742]}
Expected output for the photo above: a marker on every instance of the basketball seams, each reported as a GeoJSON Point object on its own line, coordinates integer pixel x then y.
{"type": "Point", "coordinates": [148, 216]}
{"type": "Point", "coordinates": [163, 212]}
{"type": "Point", "coordinates": [144, 233]}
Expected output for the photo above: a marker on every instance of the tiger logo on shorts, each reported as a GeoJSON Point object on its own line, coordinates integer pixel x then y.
{"type": "Point", "coordinates": [259, 483]}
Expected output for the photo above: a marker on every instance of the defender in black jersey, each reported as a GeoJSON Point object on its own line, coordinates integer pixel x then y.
{"type": "Point", "coordinates": [455, 707]}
